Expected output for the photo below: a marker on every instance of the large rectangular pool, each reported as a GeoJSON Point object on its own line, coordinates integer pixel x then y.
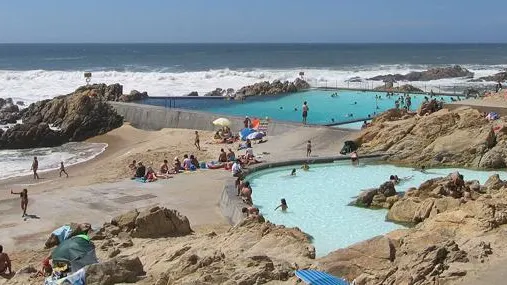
{"type": "Point", "coordinates": [324, 107]}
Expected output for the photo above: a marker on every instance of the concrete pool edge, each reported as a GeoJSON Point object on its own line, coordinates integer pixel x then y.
{"type": "Point", "coordinates": [230, 204]}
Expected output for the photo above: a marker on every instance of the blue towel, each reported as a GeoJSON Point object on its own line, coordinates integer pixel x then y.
{"type": "Point", "coordinates": [62, 233]}
{"type": "Point", "coordinates": [314, 277]}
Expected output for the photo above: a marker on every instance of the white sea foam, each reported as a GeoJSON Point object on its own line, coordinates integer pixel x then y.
{"type": "Point", "coordinates": [33, 85]}
{"type": "Point", "coordinates": [17, 162]}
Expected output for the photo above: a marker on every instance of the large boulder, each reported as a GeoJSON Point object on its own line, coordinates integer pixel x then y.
{"type": "Point", "coordinates": [460, 137]}
{"type": "Point", "coordinates": [160, 222]}
{"type": "Point", "coordinates": [75, 117]}
{"type": "Point", "coordinates": [126, 269]}
{"type": "Point", "coordinates": [133, 96]}
{"type": "Point", "coordinates": [430, 74]}
{"type": "Point", "coordinates": [30, 136]}
{"type": "Point", "coordinates": [273, 88]}
{"type": "Point", "coordinates": [406, 88]}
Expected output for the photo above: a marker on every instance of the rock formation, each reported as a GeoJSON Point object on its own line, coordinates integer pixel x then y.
{"type": "Point", "coordinates": [383, 197]}
{"type": "Point", "coordinates": [429, 107]}
{"type": "Point", "coordinates": [407, 88]}
{"type": "Point", "coordinates": [78, 116]}
{"type": "Point", "coordinates": [273, 88]}
{"type": "Point", "coordinates": [9, 112]}
{"type": "Point", "coordinates": [430, 74]}
{"type": "Point", "coordinates": [453, 238]}
{"type": "Point", "coordinates": [113, 92]}
{"type": "Point", "coordinates": [499, 77]}
{"type": "Point", "coordinates": [462, 137]}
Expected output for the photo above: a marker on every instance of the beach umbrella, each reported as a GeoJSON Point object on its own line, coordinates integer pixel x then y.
{"type": "Point", "coordinates": [255, 136]}
{"type": "Point", "coordinates": [315, 277]}
{"type": "Point", "coordinates": [222, 122]}
{"type": "Point", "coordinates": [245, 132]}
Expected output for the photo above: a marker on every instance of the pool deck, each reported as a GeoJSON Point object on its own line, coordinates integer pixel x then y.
{"type": "Point", "coordinates": [483, 105]}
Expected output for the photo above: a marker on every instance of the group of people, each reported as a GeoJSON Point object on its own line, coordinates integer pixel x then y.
{"type": "Point", "coordinates": [405, 102]}
{"type": "Point", "coordinates": [35, 168]}
{"type": "Point", "coordinates": [148, 174]}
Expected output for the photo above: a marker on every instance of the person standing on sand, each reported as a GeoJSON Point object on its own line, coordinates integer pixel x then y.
{"type": "Point", "coordinates": [196, 142]}
{"type": "Point", "coordinates": [305, 112]}
{"type": "Point", "coordinates": [62, 170]}
{"type": "Point", "coordinates": [308, 148]}
{"type": "Point", "coordinates": [24, 200]}
{"type": "Point", "coordinates": [35, 167]}
{"type": "Point", "coordinates": [5, 262]}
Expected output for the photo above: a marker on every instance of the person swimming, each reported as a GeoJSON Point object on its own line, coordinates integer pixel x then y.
{"type": "Point", "coordinates": [283, 205]}
{"type": "Point", "coordinates": [293, 172]}
{"type": "Point", "coordinates": [305, 167]}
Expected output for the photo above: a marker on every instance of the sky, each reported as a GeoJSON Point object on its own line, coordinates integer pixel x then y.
{"type": "Point", "coordinates": [242, 21]}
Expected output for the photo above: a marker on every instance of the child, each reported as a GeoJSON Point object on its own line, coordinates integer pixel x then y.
{"type": "Point", "coordinates": [293, 173]}
{"type": "Point", "coordinates": [196, 142]}
{"type": "Point", "coordinates": [62, 170]}
{"type": "Point", "coordinates": [283, 205]}
{"type": "Point", "coordinates": [24, 200]}
{"type": "Point", "coordinates": [309, 148]}
{"type": "Point", "coordinates": [305, 167]}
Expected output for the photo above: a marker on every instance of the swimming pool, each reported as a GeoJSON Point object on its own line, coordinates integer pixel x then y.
{"type": "Point", "coordinates": [324, 109]}
{"type": "Point", "coordinates": [318, 199]}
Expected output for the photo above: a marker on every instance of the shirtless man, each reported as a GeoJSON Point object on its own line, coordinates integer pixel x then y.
{"type": "Point", "coordinates": [5, 262]}
{"type": "Point", "coordinates": [223, 156]}
{"type": "Point", "coordinates": [35, 167]}
{"type": "Point", "coordinates": [246, 192]}
{"type": "Point", "coordinates": [62, 170]}
{"type": "Point", "coordinates": [24, 200]}
{"type": "Point", "coordinates": [164, 168]}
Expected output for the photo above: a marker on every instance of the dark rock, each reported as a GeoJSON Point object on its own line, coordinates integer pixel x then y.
{"type": "Point", "coordinates": [499, 77]}
{"type": "Point", "coordinates": [407, 88]}
{"type": "Point", "coordinates": [20, 103]}
{"type": "Point", "coordinates": [216, 93]}
{"type": "Point", "coordinates": [430, 74]}
{"type": "Point", "coordinates": [354, 79]}
{"type": "Point", "coordinates": [365, 198]}
{"type": "Point", "coordinates": [133, 96]}
{"type": "Point", "coordinates": [9, 118]}
{"type": "Point", "coordinates": [30, 136]}
{"type": "Point", "coordinates": [193, 94]}
{"type": "Point", "coordinates": [80, 115]}
{"type": "Point", "coordinates": [429, 107]}
{"type": "Point", "coordinates": [276, 87]}
{"type": "Point", "coordinates": [9, 108]}
{"type": "Point", "coordinates": [387, 189]}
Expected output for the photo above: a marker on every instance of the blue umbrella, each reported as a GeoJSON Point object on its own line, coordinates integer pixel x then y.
{"type": "Point", "coordinates": [315, 277]}
{"type": "Point", "coordinates": [245, 132]}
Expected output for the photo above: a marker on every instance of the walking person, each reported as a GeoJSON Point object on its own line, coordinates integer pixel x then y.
{"type": "Point", "coordinates": [305, 112]}
{"type": "Point", "coordinates": [35, 167]}
{"type": "Point", "coordinates": [197, 141]}
{"type": "Point", "coordinates": [62, 170]}
{"type": "Point", "coordinates": [309, 148]}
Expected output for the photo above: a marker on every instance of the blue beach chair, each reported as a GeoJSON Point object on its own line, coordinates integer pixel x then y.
{"type": "Point", "coordinates": [314, 277]}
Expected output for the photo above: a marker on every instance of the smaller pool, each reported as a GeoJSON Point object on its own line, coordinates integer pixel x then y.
{"type": "Point", "coordinates": [318, 199]}
{"type": "Point", "coordinates": [324, 108]}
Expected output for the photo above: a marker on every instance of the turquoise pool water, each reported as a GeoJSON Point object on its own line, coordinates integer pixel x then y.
{"type": "Point", "coordinates": [324, 109]}
{"type": "Point", "coordinates": [318, 199]}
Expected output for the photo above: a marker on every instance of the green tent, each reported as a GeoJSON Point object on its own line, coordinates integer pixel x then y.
{"type": "Point", "coordinates": [76, 251]}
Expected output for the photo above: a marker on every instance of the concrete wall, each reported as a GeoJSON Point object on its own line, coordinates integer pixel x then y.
{"type": "Point", "coordinates": [149, 117]}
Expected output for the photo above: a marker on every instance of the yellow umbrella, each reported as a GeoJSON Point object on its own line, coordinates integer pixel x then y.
{"type": "Point", "coordinates": [222, 122]}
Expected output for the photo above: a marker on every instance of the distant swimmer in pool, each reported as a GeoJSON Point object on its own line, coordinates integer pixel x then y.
{"type": "Point", "coordinates": [422, 169]}
{"type": "Point", "coordinates": [281, 108]}
{"type": "Point", "coordinates": [305, 167]}
{"type": "Point", "coordinates": [283, 205]}
{"type": "Point", "coordinates": [293, 172]}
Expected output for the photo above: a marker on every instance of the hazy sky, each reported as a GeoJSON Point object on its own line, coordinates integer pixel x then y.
{"type": "Point", "coordinates": [253, 21]}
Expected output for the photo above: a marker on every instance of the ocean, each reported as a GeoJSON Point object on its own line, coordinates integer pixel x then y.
{"type": "Point", "coordinates": [32, 72]}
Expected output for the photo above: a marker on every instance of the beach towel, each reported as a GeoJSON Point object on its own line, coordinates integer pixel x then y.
{"type": "Point", "coordinates": [314, 277]}
{"type": "Point", "coordinates": [62, 233]}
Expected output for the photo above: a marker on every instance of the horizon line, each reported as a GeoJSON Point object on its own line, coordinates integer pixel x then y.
{"type": "Point", "coordinates": [252, 43]}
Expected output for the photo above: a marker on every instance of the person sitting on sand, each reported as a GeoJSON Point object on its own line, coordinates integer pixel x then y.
{"type": "Point", "coordinates": [251, 212]}
{"type": "Point", "coordinates": [222, 157]}
{"type": "Point", "coordinates": [177, 165]}
{"type": "Point", "coordinates": [150, 175]}
{"type": "Point", "coordinates": [293, 172]}
{"type": "Point", "coordinates": [248, 143]}
{"type": "Point", "coordinates": [246, 193]}
{"type": "Point", "coordinates": [217, 136]}
{"type": "Point", "coordinates": [187, 163]}
{"type": "Point", "coordinates": [140, 170]}
{"type": "Point", "coordinates": [5, 262]}
{"type": "Point", "coordinates": [305, 166]}
{"type": "Point", "coordinates": [249, 154]}
{"type": "Point", "coordinates": [194, 161]}
{"type": "Point", "coordinates": [164, 168]}
{"type": "Point", "coordinates": [24, 200]}
{"type": "Point", "coordinates": [283, 205]}
{"type": "Point", "coordinates": [231, 156]}
{"type": "Point", "coordinates": [133, 165]}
